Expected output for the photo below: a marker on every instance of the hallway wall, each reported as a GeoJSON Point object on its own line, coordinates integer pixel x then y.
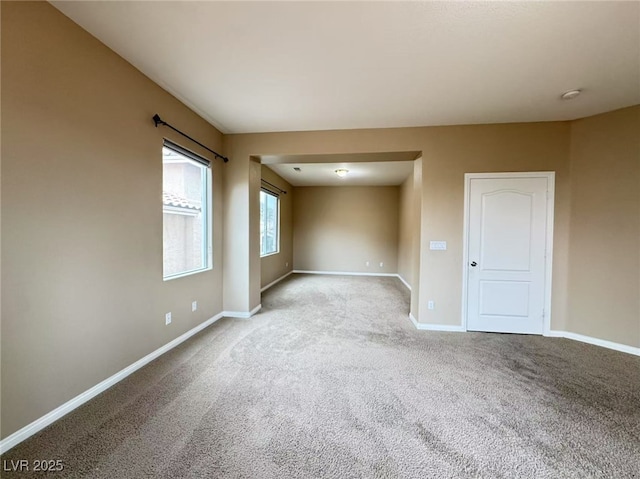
{"type": "Point", "coordinates": [342, 228]}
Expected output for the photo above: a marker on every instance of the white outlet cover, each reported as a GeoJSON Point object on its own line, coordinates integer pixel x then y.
{"type": "Point", "coordinates": [167, 318]}
{"type": "Point", "coordinates": [430, 305]}
{"type": "Point", "coordinates": [194, 306]}
{"type": "Point", "coordinates": [381, 264]}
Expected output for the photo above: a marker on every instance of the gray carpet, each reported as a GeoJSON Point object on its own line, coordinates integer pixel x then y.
{"type": "Point", "coordinates": [331, 380]}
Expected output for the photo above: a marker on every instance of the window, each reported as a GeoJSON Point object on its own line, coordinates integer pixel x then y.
{"type": "Point", "coordinates": [186, 206]}
{"type": "Point", "coordinates": [269, 222]}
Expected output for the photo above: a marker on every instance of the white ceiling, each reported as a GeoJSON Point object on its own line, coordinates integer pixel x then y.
{"type": "Point", "coordinates": [266, 66]}
{"type": "Point", "coordinates": [365, 169]}
{"type": "Point", "coordinates": [360, 173]}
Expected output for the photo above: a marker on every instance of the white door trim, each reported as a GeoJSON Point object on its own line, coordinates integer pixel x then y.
{"type": "Point", "coordinates": [550, 176]}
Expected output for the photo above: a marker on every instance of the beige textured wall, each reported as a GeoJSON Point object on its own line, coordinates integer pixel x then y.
{"type": "Point", "coordinates": [341, 228]}
{"type": "Point", "coordinates": [277, 265]}
{"type": "Point", "coordinates": [448, 153]}
{"type": "Point", "coordinates": [604, 276]}
{"type": "Point", "coordinates": [456, 150]}
{"type": "Point", "coordinates": [406, 228]}
{"type": "Point", "coordinates": [235, 206]}
{"type": "Point", "coordinates": [416, 241]}
{"type": "Point", "coordinates": [82, 289]}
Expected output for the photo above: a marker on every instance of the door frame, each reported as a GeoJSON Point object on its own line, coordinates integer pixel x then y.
{"type": "Point", "coordinates": [550, 177]}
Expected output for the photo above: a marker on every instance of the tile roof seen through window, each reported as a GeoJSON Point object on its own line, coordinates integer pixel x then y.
{"type": "Point", "coordinates": [171, 199]}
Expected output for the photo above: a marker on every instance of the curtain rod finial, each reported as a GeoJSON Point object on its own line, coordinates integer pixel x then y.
{"type": "Point", "coordinates": [159, 121]}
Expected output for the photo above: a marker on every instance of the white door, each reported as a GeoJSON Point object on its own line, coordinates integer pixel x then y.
{"type": "Point", "coordinates": [506, 243]}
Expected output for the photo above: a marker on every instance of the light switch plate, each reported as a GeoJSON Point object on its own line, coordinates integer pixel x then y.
{"type": "Point", "coordinates": [438, 245]}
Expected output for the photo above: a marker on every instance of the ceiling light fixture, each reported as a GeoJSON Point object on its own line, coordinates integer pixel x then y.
{"type": "Point", "coordinates": [341, 172]}
{"type": "Point", "coordinates": [570, 95]}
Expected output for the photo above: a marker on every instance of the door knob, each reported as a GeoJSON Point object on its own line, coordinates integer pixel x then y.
{"type": "Point", "coordinates": [474, 264]}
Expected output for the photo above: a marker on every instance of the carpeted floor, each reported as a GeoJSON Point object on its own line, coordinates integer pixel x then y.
{"type": "Point", "coordinates": [332, 380]}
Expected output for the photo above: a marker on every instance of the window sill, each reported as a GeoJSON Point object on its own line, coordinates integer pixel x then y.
{"type": "Point", "coordinates": [188, 273]}
{"type": "Point", "coordinates": [269, 254]}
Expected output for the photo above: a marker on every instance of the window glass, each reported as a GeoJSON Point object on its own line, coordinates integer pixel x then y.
{"type": "Point", "coordinates": [185, 206]}
{"type": "Point", "coordinates": [269, 223]}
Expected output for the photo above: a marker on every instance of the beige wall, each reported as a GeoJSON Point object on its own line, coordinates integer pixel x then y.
{"type": "Point", "coordinates": [409, 234]}
{"type": "Point", "coordinates": [604, 275]}
{"type": "Point", "coordinates": [277, 265]}
{"type": "Point", "coordinates": [406, 228]}
{"type": "Point", "coordinates": [454, 151]}
{"type": "Point", "coordinates": [82, 289]}
{"type": "Point", "coordinates": [447, 153]}
{"type": "Point", "coordinates": [341, 228]}
{"type": "Point", "coordinates": [416, 241]}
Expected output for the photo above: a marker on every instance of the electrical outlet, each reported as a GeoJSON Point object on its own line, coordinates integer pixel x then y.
{"type": "Point", "coordinates": [286, 265]}
{"type": "Point", "coordinates": [431, 305]}
{"type": "Point", "coordinates": [366, 264]}
{"type": "Point", "coordinates": [381, 264]}
{"type": "Point", "coordinates": [194, 306]}
{"type": "Point", "coordinates": [167, 318]}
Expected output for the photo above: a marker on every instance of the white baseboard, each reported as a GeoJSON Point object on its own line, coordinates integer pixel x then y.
{"type": "Point", "coordinates": [552, 333]}
{"type": "Point", "coordinates": [241, 314]}
{"type": "Point", "coordinates": [275, 282]}
{"type": "Point", "coordinates": [52, 416]}
{"type": "Point", "coordinates": [404, 282]}
{"type": "Point", "coordinates": [342, 273]}
{"type": "Point", "coordinates": [595, 341]}
{"type": "Point", "coordinates": [435, 327]}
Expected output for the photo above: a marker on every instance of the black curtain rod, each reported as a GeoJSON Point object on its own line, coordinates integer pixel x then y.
{"type": "Point", "coordinates": [274, 186]}
{"type": "Point", "coordinates": [159, 121]}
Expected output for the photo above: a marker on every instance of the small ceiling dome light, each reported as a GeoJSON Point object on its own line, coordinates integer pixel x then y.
{"type": "Point", "coordinates": [570, 95]}
{"type": "Point", "coordinates": [341, 172]}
